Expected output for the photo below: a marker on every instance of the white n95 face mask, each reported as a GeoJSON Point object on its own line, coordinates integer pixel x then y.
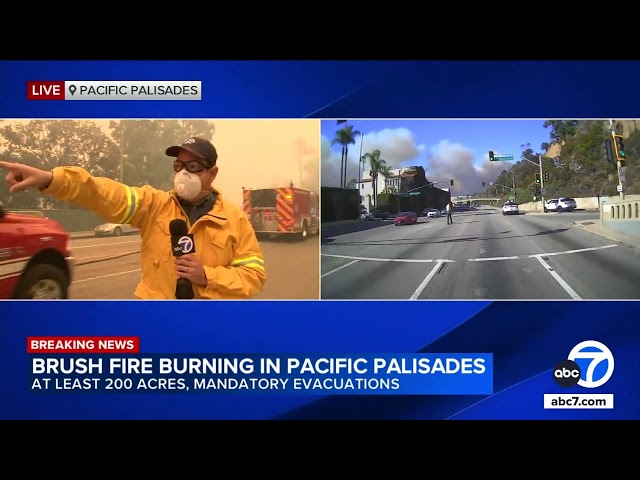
{"type": "Point", "coordinates": [187, 185]}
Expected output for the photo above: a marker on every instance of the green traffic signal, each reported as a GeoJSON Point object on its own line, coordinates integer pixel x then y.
{"type": "Point", "coordinates": [537, 178]}
{"type": "Point", "coordinates": [619, 143]}
{"type": "Point", "coordinates": [492, 157]}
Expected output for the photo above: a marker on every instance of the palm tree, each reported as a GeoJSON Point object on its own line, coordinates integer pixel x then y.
{"type": "Point", "coordinates": [345, 136]}
{"type": "Point", "coordinates": [378, 166]}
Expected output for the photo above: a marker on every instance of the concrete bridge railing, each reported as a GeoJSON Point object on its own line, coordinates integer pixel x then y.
{"type": "Point", "coordinates": [621, 210]}
{"type": "Point", "coordinates": [622, 215]}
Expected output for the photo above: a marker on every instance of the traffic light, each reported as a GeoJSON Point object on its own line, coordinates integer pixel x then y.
{"type": "Point", "coordinates": [537, 178]}
{"type": "Point", "coordinates": [492, 157]}
{"type": "Point", "coordinates": [546, 176]}
{"type": "Point", "coordinates": [618, 143]}
{"type": "Point", "coordinates": [452, 182]}
{"type": "Point", "coordinates": [608, 150]}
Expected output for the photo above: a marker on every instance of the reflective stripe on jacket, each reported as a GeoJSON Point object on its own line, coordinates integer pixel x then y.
{"type": "Point", "coordinates": [225, 242]}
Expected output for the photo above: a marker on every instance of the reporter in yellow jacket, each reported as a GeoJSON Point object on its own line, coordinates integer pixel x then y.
{"type": "Point", "coordinates": [228, 262]}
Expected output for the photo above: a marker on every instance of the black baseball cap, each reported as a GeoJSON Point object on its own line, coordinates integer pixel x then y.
{"type": "Point", "coordinates": [199, 147]}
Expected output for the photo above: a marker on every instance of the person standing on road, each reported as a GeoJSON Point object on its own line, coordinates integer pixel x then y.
{"type": "Point", "coordinates": [227, 263]}
{"type": "Point", "coordinates": [449, 213]}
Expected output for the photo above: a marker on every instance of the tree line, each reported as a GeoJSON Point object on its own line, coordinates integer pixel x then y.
{"type": "Point", "coordinates": [579, 168]}
{"type": "Point", "coordinates": [132, 151]}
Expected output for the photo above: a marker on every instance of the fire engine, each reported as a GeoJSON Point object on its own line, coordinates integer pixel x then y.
{"type": "Point", "coordinates": [35, 258]}
{"type": "Point", "coordinates": [282, 211]}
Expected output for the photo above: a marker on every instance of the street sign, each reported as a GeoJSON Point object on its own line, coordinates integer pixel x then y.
{"type": "Point", "coordinates": [414, 193]}
{"type": "Point", "coordinates": [621, 174]}
{"type": "Point", "coordinates": [504, 158]}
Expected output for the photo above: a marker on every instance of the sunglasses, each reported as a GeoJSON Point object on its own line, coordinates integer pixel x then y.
{"type": "Point", "coordinates": [192, 166]}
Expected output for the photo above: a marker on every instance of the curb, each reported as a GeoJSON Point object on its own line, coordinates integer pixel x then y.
{"type": "Point", "coordinates": [104, 259]}
{"type": "Point", "coordinates": [611, 235]}
{"type": "Point", "coordinates": [82, 237]}
{"type": "Point", "coordinates": [338, 223]}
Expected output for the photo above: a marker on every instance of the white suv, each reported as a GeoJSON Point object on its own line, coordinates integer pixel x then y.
{"type": "Point", "coordinates": [510, 208]}
{"type": "Point", "coordinates": [564, 204]}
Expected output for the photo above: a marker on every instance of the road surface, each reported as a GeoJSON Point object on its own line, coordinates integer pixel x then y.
{"type": "Point", "coordinates": [483, 255]}
{"type": "Point", "coordinates": [292, 268]}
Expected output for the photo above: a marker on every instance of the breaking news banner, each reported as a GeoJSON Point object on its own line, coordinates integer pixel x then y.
{"type": "Point", "coordinates": [113, 365]}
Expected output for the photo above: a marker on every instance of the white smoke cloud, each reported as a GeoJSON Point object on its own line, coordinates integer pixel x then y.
{"type": "Point", "coordinates": [397, 147]}
{"type": "Point", "coordinates": [453, 161]}
{"type": "Point", "coordinates": [443, 162]}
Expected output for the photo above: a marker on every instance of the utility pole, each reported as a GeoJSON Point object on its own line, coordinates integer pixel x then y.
{"type": "Point", "coordinates": [619, 164]}
{"type": "Point", "coordinates": [541, 180]}
{"type": "Point", "coordinates": [359, 162]}
{"type": "Point", "coordinates": [513, 184]}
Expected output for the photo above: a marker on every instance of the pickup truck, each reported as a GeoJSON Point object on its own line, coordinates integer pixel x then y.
{"type": "Point", "coordinates": [35, 258]}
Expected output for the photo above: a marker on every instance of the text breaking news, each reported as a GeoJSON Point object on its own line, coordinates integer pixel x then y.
{"type": "Point", "coordinates": [57, 367]}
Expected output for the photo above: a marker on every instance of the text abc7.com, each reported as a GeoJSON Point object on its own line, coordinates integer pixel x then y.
{"type": "Point", "coordinates": [590, 365]}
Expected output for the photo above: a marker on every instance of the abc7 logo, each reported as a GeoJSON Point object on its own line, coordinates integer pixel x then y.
{"type": "Point", "coordinates": [568, 373]}
{"type": "Point", "coordinates": [186, 244]}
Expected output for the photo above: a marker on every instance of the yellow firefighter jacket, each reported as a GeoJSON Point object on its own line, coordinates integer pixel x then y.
{"type": "Point", "coordinates": [225, 242]}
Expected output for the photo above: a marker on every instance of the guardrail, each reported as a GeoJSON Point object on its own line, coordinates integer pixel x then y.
{"type": "Point", "coordinates": [620, 210]}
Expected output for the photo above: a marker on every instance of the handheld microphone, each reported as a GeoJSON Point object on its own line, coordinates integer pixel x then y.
{"type": "Point", "coordinates": [181, 244]}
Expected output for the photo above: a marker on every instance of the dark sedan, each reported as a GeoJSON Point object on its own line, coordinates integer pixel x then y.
{"type": "Point", "coordinates": [406, 218]}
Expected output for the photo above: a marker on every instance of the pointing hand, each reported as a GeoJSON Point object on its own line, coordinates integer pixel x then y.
{"type": "Point", "coordinates": [21, 177]}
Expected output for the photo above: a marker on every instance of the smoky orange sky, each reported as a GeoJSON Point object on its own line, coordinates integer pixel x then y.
{"type": "Point", "coordinates": [259, 153]}
{"type": "Point", "coordinates": [267, 153]}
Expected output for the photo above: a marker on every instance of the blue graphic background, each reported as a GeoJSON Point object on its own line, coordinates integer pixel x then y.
{"type": "Point", "coordinates": [467, 381]}
{"type": "Point", "coordinates": [527, 340]}
{"type": "Point", "coordinates": [330, 89]}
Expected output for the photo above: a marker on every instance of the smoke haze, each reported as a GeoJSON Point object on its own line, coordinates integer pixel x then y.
{"type": "Point", "coordinates": [442, 162]}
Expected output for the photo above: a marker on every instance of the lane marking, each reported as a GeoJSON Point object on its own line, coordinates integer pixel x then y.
{"type": "Point", "coordinates": [400, 260]}
{"type": "Point", "coordinates": [591, 249]}
{"type": "Point", "coordinates": [493, 259]}
{"type": "Point", "coordinates": [572, 293]}
{"type": "Point", "coordinates": [105, 244]}
{"type": "Point", "coordinates": [339, 268]}
{"type": "Point", "coordinates": [551, 254]}
{"type": "Point", "coordinates": [427, 279]}
{"type": "Point", "coordinates": [106, 276]}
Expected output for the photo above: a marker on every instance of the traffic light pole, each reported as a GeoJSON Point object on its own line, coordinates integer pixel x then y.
{"type": "Point", "coordinates": [618, 163]}
{"type": "Point", "coordinates": [539, 164]}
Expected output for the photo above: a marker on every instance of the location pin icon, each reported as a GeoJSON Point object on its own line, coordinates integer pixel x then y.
{"type": "Point", "coordinates": [72, 89]}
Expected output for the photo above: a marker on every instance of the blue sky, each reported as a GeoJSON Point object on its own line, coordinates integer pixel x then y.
{"type": "Point", "coordinates": [479, 136]}
{"type": "Point", "coordinates": [455, 149]}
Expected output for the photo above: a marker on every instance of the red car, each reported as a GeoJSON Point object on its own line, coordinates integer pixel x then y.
{"type": "Point", "coordinates": [406, 218]}
{"type": "Point", "coordinates": [35, 258]}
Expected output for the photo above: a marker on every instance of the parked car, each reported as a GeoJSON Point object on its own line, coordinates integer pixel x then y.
{"type": "Point", "coordinates": [114, 229]}
{"type": "Point", "coordinates": [366, 216]}
{"type": "Point", "coordinates": [510, 208]}
{"type": "Point", "coordinates": [433, 213]}
{"type": "Point", "coordinates": [405, 218]}
{"type": "Point", "coordinates": [35, 258]}
{"type": "Point", "coordinates": [381, 214]}
{"type": "Point", "coordinates": [564, 204]}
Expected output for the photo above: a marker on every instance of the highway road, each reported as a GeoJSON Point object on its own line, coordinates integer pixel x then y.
{"type": "Point", "coordinates": [109, 268]}
{"type": "Point", "coordinates": [483, 255]}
